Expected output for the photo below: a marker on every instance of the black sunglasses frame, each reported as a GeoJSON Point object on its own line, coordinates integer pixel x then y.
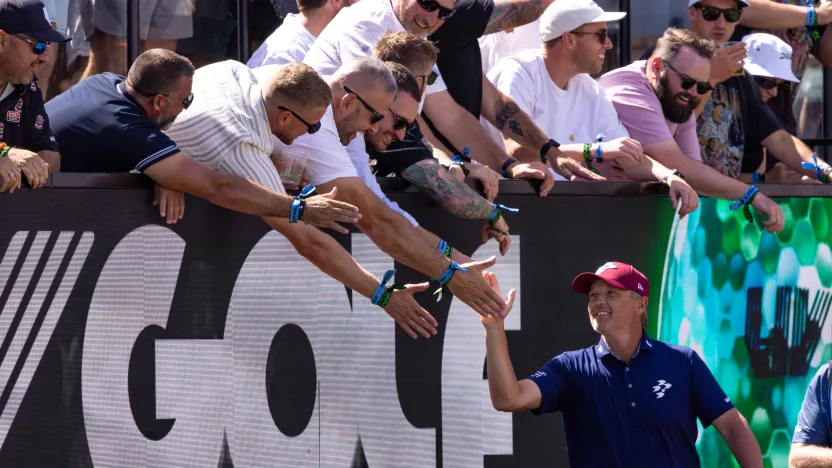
{"type": "Point", "coordinates": [709, 13]}
{"type": "Point", "coordinates": [702, 87]}
{"type": "Point", "coordinates": [433, 5]}
{"type": "Point", "coordinates": [310, 128]}
{"type": "Point", "coordinates": [376, 116]}
{"type": "Point", "coordinates": [602, 34]}
{"type": "Point", "coordinates": [400, 122]}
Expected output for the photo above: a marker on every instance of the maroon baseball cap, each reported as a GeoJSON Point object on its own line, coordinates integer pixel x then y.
{"type": "Point", "coordinates": [616, 274]}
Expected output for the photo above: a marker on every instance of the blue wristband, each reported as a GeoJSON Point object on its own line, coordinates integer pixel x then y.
{"type": "Point", "coordinates": [811, 15]}
{"type": "Point", "coordinates": [818, 167]}
{"type": "Point", "coordinates": [495, 213]}
{"type": "Point", "coordinates": [745, 201]}
{"type": "Point", "coordinates": [445, 249]}
{"type": "Point", "coordinates": [442, 280]}
{"type": "Point", "coordinates": [298, 206]}
{"type": "Point", "coordinates": [463, 156]}
{"type": "Point", "coordinates": [599, 151]}
{"type": "Point", "coordinates": [382, 286]}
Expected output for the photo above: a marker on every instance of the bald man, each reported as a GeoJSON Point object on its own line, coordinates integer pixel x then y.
{"type": "Point", "coordinates": [362, 92]}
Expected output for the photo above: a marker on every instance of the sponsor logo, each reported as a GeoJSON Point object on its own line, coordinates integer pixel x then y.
{"type": "Point", "coordinates": [13, 116]}
{"type": "Point", "coordinates": [785, 56]}
{"type": "Point", "coordinates": [661, 388]}
{"type": "Point", "coordinates": [33, 86]}
{"type": "Point", "coordinates": [2, 129]}
{"type": "Point", "coordinates": [605, 267]}
{"type": "Point", "coordinates": [19, 106]}
{"type": "Point", "coordinates": [39, 124]}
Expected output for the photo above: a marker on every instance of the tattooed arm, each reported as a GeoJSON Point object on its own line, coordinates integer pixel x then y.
{"type": "Point", "coordinates": [502, 112]}
{"type": "Point", "coordinates": [509, 14]}
{"type": "Point", "coordinates": [453, 195]}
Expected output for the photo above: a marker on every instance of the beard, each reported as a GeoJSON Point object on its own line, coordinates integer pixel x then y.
{"type": "Point", "coordinates": [165, 122]}
{"type": "Point", "coordinates": [348, 127]}
{"type": "Point", "coordinates": [673, 110]}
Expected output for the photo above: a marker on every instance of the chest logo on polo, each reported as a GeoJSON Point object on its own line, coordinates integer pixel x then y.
{"type": "Point", "coordinates": [12, 116]}
{"type": "Point", "coordinates": [661, 388]}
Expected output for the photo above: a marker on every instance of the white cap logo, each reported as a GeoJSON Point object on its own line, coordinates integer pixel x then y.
{"type": "Point", "coordinates": [605, 267]}
{"type": "Point", "coordinates": [640, 288]}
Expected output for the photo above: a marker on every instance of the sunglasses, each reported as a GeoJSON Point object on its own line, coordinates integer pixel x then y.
{"type": "Point", "coordinates": [702, 87]}
{"type": "Point", "coordinates": [186, 103]}
{"type": "Point", "coordinates": [429, 79]}
{"type": "Point", "coordinates": [732, 15]}
{"type": "Point", "coordinates": [38, 47]}
{"type": "Point", "coordinates": [310, 128]}
{"type": "Point", "coordinates": [433, 5]}
{"type": "Point", "coordinates": [767, 83]}
{"type": "Point", "coordinates": [400, 122]}
{"type": "Point", "coordinates": [376, 116]}
{"type": "Point", "coordinates": [601, 34]}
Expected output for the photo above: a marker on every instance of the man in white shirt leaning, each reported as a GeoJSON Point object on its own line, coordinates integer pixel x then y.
{"type": "Point", "coordinates": [554, 87]}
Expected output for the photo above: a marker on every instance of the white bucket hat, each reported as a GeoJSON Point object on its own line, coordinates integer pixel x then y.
{"type": "Point", "coordinates": [768, 56]}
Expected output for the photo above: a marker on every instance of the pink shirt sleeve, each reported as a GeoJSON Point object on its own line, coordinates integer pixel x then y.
{"type": "Point", "coordinates": [688, 140]}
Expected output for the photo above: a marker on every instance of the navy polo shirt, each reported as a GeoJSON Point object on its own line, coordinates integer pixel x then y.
{"type": "Point", "coordinates": [101, 128]}
{"type": "Point", "coordinates": [814, 422]}
{"type": "Point", "coordinates": [23, 120]}
{"type": "Point", "coordinates": [642, 414]}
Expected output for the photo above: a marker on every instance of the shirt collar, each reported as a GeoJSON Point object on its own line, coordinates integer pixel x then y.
{"type": "Point", "coordinates": [602, 350]}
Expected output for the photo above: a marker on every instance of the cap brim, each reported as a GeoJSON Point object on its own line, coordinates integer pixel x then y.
{"type": "Point", "coordinates": [609, 17]}
{"type": "Point", "coordinates": [48, 35]}
{"type": "Point", "coordinates": [584, 281]}
{"type": "Point", "coordinates": [757, 70]}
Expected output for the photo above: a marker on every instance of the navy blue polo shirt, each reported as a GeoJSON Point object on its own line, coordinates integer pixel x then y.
{"type": "Point", "coordinates": [814, 422]}
{"type": "Point", "coordinates": [101, 128]}
{"type": "Point", "coordinates": [642, 414]}
{"type": "Point", "coordinates": [23, 120]}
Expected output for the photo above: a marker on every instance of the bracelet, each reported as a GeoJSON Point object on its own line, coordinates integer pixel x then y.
{"type": "Point", "coordinates": [599, 150]}
{"type": "Point", "coordinates": [821, 169]}
{"type": "Point", "coordinates": [545, 149]}
{"type": "Point", "coordinates": [462, 157]}
{"type": "Point", "coordinates": [299, 205]}
{"type": "Point", "coordinates": [811, 14]}
{"type": "Point", "coordinates": [445, 248]}
{"type": "Point", "coordinates": [756, 177]}
{"type": "Point", "coordinates": [4, 150]}
{"type": "Point", "coordinates": [506, 164]}
{"type": "Point", "coordinates": [443, 280]}
{"type": "Point", "coordinates": [496, 214]}
{"type": "Point", "coordinates": [674, 172]}
{"type": "Point", "coordinates": [745, 201]}
{"type": "Point", "coordinates": [383, 292]}
{"type": "Point", "coordinates": [588, 159]}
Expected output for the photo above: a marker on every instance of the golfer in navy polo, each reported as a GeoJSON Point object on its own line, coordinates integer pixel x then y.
{"type": "Point", "coordinates": [812, 440]}
{"type": "Point", "coordinates": [628, 401]}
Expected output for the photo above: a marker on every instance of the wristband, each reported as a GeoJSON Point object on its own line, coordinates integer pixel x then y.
{"type": "Point", "coordinates": [545, 149]}
{"type": "Point", "coordinates": [503, 171]}
{"type": "Point", "coordinates": [299, 205]}
{"type": "Point", "coordinates": [443, 280]}
{"type": "Point", "coordinates": [745, 201]}
{"type": "Point", "coordinates": [463, 156]}
{"type": "Point", "coordinates": [445, 249]}
{"type": "Point", "coordinates": [496, 214]}
{"type": "Point", "coordinates": [674, 172]}
{"type": "Point", "coordinates": [599, 150]}
{"type": "Point", "coordinates": [819, 168]}
{"type": "Point", "coordinates": [383, 292]}
{"type": "Point", "coordinates": [588, 159]}
{"type": "Point", "coordinates": [756, 177]}
{"type": "Point", "coordinates": [811, 15]}
{"type": "Point", "coordinates": [4, 150]}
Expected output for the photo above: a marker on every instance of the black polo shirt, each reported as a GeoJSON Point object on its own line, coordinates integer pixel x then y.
{"type": "Point", "coordinates": [101, 128]}
{"type": "Point", "coordinates": [23, 120]}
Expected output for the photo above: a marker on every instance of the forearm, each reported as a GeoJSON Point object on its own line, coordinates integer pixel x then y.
{"type": "Point", "coordinates": [647, 170]}
{"type": "Point", "coordinates": [702, 178]}
{"type": "Point", "coordinates": [396, 237]}
{"type": "Point", "coordinates": [240, 194]}
{"type": "Point", "coordinates": [791, 151]}
{"type": "Point", "coordinates": [502, 381]}
{"type": "Point", "coordinates": [745, 448]}
{"type": "Point", "coordinates": [53, 158]}
{"type": "Point", "coordinates": [768, 14]}
{"type": "Point", "coordinates": [453, 195]}
{"type": "Point", "coordinates": [436, 147]}
{"type": "Point", "coordinates": [467, 131]}
{"type": "Point", "coordinates": [510, 120]}
{"type": "Point", "coordinates": [810, 456]}
{"type": "Point", "coordinates": [456, 255]}
{"type": "Point", "coordinates": [509, 14]}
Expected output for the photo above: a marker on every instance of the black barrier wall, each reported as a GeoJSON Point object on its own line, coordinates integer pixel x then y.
{"type": "Point", "coordinates": [127, 342]}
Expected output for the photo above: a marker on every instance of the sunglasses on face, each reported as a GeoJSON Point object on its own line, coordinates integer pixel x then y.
{"type": "Point", "coordinates": [186, 103]}
{"type": "Point", "coordinates": [429, 79]}
{"type": "Point", "coordinates": [702, 87]}
{"type": "Point", "coordinates": [767, 83]}
{"type": "Point", "coordinates": [732, 15]}
{"type": "Point", "coordinates": [376, 116]}
{"type": "Point", "coordinates": [433, 5]}
{"type": "Point", "coordinates": [400, 122]}
{"type": "Point", "coordinates": [38, 47]}
{"type": "Point", "coordinates": [310, 128]}
{"type": "Point", "coordinates": [601, 34]}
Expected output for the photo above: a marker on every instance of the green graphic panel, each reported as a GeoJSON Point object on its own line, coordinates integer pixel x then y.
{"type": "Point", "coordinates": [745, 300]}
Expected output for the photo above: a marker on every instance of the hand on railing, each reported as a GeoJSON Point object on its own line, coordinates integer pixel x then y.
{"type": "Point", "coordinates": [171, 204]}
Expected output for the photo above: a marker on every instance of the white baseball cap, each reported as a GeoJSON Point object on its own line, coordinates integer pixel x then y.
{"type": "Point", "coordinates": [563, 16]}
{"type": "Point", "coordinates": [768, 56]}
{"type": "Point", "coordinates": [743, 3]}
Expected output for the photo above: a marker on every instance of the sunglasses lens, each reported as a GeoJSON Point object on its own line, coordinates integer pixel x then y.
{"type": "Point", "coordinates": [445, 13]}
{"type": "Point", "coordinates": [703, 88]}
{"type": "Point", "coordinates": [314, 128]}
{"type": "Point", "coordinates": [732, 15]}
{"type": "Point", "coordinates": [431, 78]}
{"type": "Point", "coordinates": [710, 14]}
{"type": "Point", "coordinates": [40, 47]}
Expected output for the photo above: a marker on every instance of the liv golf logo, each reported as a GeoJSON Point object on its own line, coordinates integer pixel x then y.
{"type": "Point", "coordinates": [209, 395]}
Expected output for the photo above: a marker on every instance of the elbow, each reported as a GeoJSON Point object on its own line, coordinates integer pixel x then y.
{"type": "Point", "coordinates": [501, 406]}
{"type": "Point", "coordinates": [215, 189]}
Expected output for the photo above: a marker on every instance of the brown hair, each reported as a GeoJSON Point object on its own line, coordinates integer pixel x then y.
{"type": "Point", "coordinates": [158, 71]}
{"type": "Point", "coordinates": [300, 83]}
{"type": "Point", "coordinates": [674, 39]}
{"type": "Point", "coordinates": [406, 49]}
{"type": "Point", "coordinates": [405, 80]}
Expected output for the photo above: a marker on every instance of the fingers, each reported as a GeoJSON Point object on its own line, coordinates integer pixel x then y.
{"type": "Point", "coordinates": [417, 288]}
{"type": "Point", "coordinates": [510, 302]}
{"type": "Point", "coordinates": [484, 264]}
{"type": "Point", "coordinates": [337, 227]}
{"type": "Point", "coordinates": [7, 181]}
{"type": "Point", "coordinates": [584, 173]}
{"type": "Point", "coordinates": [674, 199]}
{"type": "Point", "coordinates": [163, 203]}
{"type": "Point", "coordinates": [404, 326]}
{"type": "Point", "coordinates": [505, 244]}
{"type": "Point", "coordinates": [332, 194]}
{"type": "Point", "coordinates": [548, 183]}
{"type": "Point", "coordinates": [27, 172]}
{"type": "Point", "coordinates": [420, 326]}
{"type": "Point", "coordinates": [180, 212]}
{"type": "Point", "coordinates": [491, 278]}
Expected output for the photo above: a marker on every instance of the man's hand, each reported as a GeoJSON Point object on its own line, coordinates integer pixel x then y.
{"type": "Point", "coordinates": [408, 314]}
{"type": "Point", "coordinates": [473, 290]}
{"type": "Point", "coordinates": [455, 170]}
{"type": "Point", "coordinates": [499, 232]}
{"type": "Point", "coordinates": [491, 279]}
{"type": "Point", "coordinates": [490, 180]}
{"type": "Point", "coordinates": [572, 170]}
{"type": "Point", "coordinates": [679, 189]}
{"type": "Point", "coordinates": [9, 175]}
{"type": "Point", "coordinates": [31, 165]}
{"type": "Point", "coordinates": [171, 204]}
{"type": "Point", "coordinates": [726, 62]}
{"type": "Point", "coordinates": [623, 148]}
{"type": "Point", "coordinates": [783, 174]}
{"type": "Point", "coordinates": [768, 207]}
{"type": "Point", "coordinates": [325, 211]}
{"type": "Point", "coordinates": [823, 11]}
{"type": "Point", "coordinates": [533, 171]}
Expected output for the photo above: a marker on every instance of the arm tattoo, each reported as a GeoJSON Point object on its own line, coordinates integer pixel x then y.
{"type": "Point", "coordinates": [509, 14]}
{"type": "Point", "coordinates": [454, 195]}
{"type": "Point", "coordinates": [504, 113]}
{"type": "Point", "coordinates": [427, 144]}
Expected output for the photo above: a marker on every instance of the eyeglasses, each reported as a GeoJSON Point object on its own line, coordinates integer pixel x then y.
{"type": "Point", "coordinates": [601, 34]}
{"type": "Point", "coordinates": [400, 122]}
{"type": "Point", "coordinates": [702, 87]}
{"type": "Point", "coordinates": [767, 83]}
{"type": "Point", "coordinates": [429, 79]}
{"type": "Point", "coordinates": [376, 116]}
{"type": "Point", "coordinates": [38, 47]}
{"type": "Point", "coordinates": [732, 15]}
{"type": "Point", "coordinates": [433, 5]}
{"type": "Point", "coordinates": [310, 128]}
{"type": "Point", "coordinates": [186, 103]}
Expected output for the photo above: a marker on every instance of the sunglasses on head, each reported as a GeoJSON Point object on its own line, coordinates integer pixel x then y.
{"type": "Point", "coordinates": [433, 5]}
{"type": "Point", "coordinates": [601, 34]}
{"type": "Point", "coordinates": [732, 15]}
{"type": "Point", "coordinates": [38, 46]}
{"type": "Point", "coordinates": [310, 128]}
{"type": "Point", "coordinates": [767, 83]}
{"type": "Point", "coordinates": [376, 116]}
{"type": "Point", "coordinates": [702, 87]}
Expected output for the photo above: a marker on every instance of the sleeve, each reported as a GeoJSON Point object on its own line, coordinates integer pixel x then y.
{"type": "Point", "coordinates": [688, 140]}
{"type": "Point", "coordinates": [145, 145]}
{"type": "Point", "coordinates": [635, 109]}
{"type": "Point", "coordinates": [709, 400]}
{"type": "Point", "coordinates": [328, 159]}
{"type": "Point", "coordinates": [358, 40]}
{"type": "Point", "coordinates": [245, 160]}
{"type": "Point", "coordinates": [553, 384]}
{"type": "Point", "coordinates": [513, 81]}
{"type": "Point", "coordinates": [469, 21]}
{"type": "Point", "coordinates": [37, 134]}
{"type": "Point", "coordinates": [761, 119]}
{"type": "Point", "coordinates": [812, 426]}
{"type": "Point", "coordinates": [609, 124]}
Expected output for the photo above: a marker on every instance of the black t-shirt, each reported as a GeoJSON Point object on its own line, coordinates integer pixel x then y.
{"type": "Point", "coordinates": [459, 61]}
{"type": "Point", "coordinates": [101, 128]}
{"type": "Point", "coordinates": [400, 154]}
{"type": "Point", "coordinates": [23, 120]}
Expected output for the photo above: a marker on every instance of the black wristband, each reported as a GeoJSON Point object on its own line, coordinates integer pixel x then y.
{"type": "Point", "coordinates": [506, 164]}
{"type": "Point", "coordinates": [545, 149]}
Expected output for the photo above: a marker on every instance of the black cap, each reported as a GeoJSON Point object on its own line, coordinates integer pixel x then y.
{"type": "Point", "coordinates": [27, 17]}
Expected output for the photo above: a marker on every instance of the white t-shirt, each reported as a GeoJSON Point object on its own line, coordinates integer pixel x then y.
{"type": "Point", "coordinates": [226, 127]}
{"type": "Point", "coordinates": [494, 47]}
{"type": "Point", "coordinates": [352, 34]}
{"type": "Point", "coordinates": [288, 43]}
{"type": "Point", "coordinates": [357, 150]}
{"type": "Point", "coordinates": [576, 114]}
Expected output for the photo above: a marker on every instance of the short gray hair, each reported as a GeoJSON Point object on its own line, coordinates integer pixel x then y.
{"type": "Point", "coordinates": [371, 72]}
{"type": "Point", "coordinates": [636, 296]}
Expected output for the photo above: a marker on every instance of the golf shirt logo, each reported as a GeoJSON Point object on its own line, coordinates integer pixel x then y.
{"type": "Point", "coordinates": [605, 267]}
{"type": "Point", "coordinates": [661, 388]}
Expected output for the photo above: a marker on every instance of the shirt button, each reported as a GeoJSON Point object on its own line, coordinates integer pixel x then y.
{"type": "Point", "coordinates": [632, 404]}
{"type": "Point", "coordinates": [630, 386]}
{"type": "Point", "coordinates": [628, 369]}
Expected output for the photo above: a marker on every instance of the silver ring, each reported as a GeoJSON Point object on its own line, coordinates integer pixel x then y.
{"type": "Point", "coordinates": [11, 174]}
